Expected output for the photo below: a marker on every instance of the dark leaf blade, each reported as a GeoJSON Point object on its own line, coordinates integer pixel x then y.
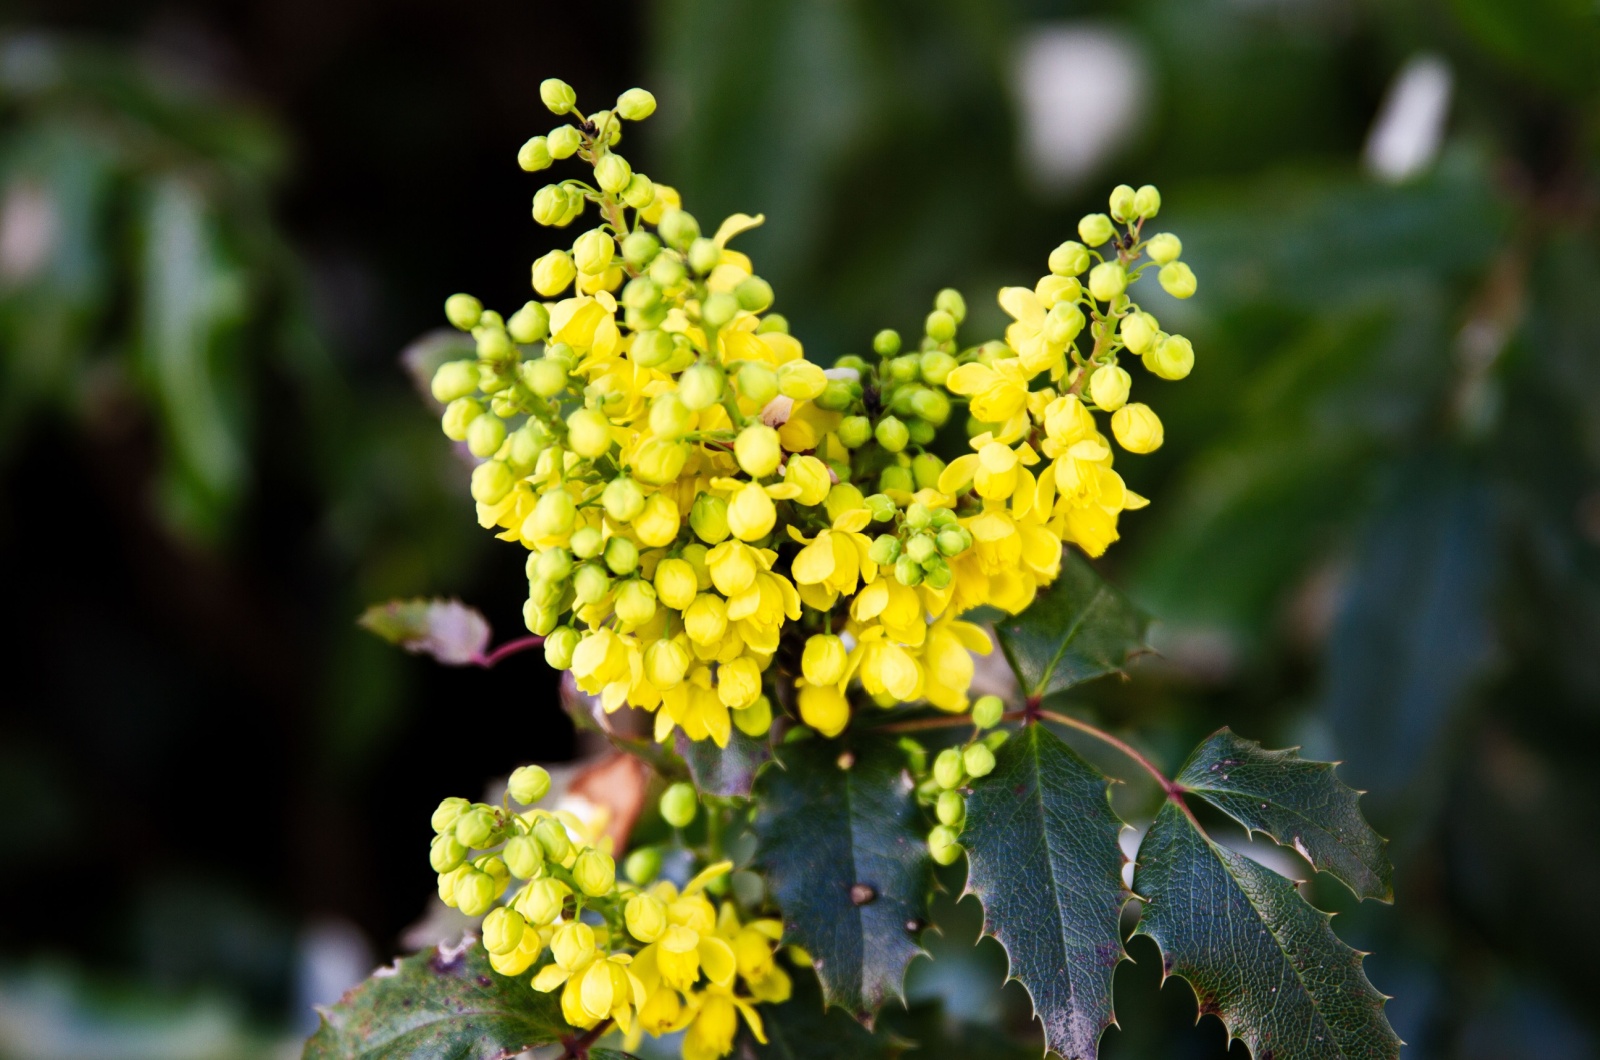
{"type": "Point", "coordinates": [725, 771]}
{"type": "Point", "coordinates": [440, 1002]}
{"type": "Point", "coordinates": [1256, 953]}
{"type": "Point", "coordinates": [803, 1028]}
{"type": "Point", "coordinates": [1077, 629]}
{"type": "Point", "coordinates": [1298, 802]}
{"type": "Point", "coordinates": [1043, 858]}
{"type": "Point", "coordinates": [840, 836]}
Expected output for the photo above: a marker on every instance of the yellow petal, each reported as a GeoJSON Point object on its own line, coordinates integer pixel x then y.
{"type": "Point", "coordinates": [717, 960]}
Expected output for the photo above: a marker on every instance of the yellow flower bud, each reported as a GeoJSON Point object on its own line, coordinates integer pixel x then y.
{"type": "Point", "coordinates": [622, 499]}
{"type": "Point", "coordinates": [739, 682]}
{"type": "Point", "coordinates": [1138, 331]}
{"type": "Point", "coordinates": [709, 518]}
{"type": "Point", "coordinates": [564, 142]}
{"type": "Point", "coordinates": [1164, 248]}
{"type": "Point", "coordinates": [640, 192]}
{"type": "Point", "coordinates": [755, 719]}
{"type": "Point", "coordinates": [463, 311]}
{"type": "Point", "coordinates": [1050, 290]}
{"type": "Point", "coordinates": [636, 602]}
{"type": "Point", "coordinates": [589, 433]}
{"type": "Point", "coordinates": [1147, 202]}
{"type": "Point", "coordinates": [550, 203]}
{"type": "Point", "coordinates": [1138, 430]}
{"type": "Point", "coordinates": [948, 771]}
{"type": "Point", "coordinates": [1107, 280]}
{"type": "Point", "coordinates": [659, 461]}
{"type": "Point", "coordinates": [542, 901]}
{"type": "Point", "coordinates": [475, 828]}
{"type": "Point", "coordinates": [824, 708]}
{"type": "Point", "coordinates": [528, 784]}
{"type": "Point", "coordinates": [658, 523]}
{"type": "Point", "coordinates": [1063, 323]}
{"type": "Point", "coordinates": [553, 272]}
{"type": "Point", "coordinates": [751, 514]}
{"type": "Point", "coordinates": [1173, 359]}
{"type": "Point", "coordinates": [636, 104]}
{"type": "Point", "coordinates": [646, 917]}
{"type": "Point", "coordinates": [1122, 202]}
{"type": "Point", "coordinates": [844, 497]}
{"type": "Point", "coordinates": [485, 435]}
{"type": "Point", "coordinates": [665, 663]}
{"type": "Point", "coordinates": [534, 155]}
{"type": "Point", "coordinates": [595, 872]}
{"type": "Point", "coordinates": [593, 251]}
{"type": "Point", "coordinates": [943, 845]}
{"type": "Point", "coordinates": [557, 95]}
{"type": "Point", "coordinates": [1069, 259]}
{"type": "Point", "coordinates": [445, 853]}
{"type": "Point", "coordinates": [1177, 279]}
{"type": "Point", "coordinates": [706, 619]}
{"type": "Point", "coordinates": [502, 930]}
{"type": "Point", "coordinates": [811, 476]}
{"type": "Point", "coordinates": [559, 646]}
{"type": "Point", "coordinates": [824, 659]}
{"type": "Point", "coordinates": [758, 450]}
{"type": "Point", "coordinates": [700, 387]}
{"type": "Point", "coordinates": [612, 173]}
{"type": "Point", "coordinates": [679, 804]}
{"type": "Point", "coordinates": [454, 379]}
{"type": "Point", "coordinates": [554, 514]}
{"type": "Point", "coordinates": [1109, 387]}
{"type": "Point", "coordinates": [670, 418]}
{"type": "Point", "coordinates": [530, 323]}
{"type": "Point", "coordinates": [801, 380]}
{"type": "Point", "coordinates": [573, 945]}
{"type": "Point", "coordinates": [978, 760]}
{"type": "Point", "coordinates": [524, 857]}
{"type": "Point", "coordinates": [1095, 229]}
{"type": "Point", "coordinates": [675, 582]}
{"type": "Point", "coordinates": [448, 812]}
{"type": "Point", "coordinates": [545, 376]}
{"type": "Point", "coordinates": [475, 892]}
{"type": "Point", "coordinates": [458, 416]}
{"type": "Point", "coordinates": [491, 481]}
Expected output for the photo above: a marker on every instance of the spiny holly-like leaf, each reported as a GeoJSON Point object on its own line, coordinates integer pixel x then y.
{"type": "Point", "coordinates": [448, 630]}
{"type": "Point", "coordinates": [841, 839]}
{"type": "Point", "coordinates": [729, 770]}
{"type": "Point", "coordinates": [444, 1002]}
{"type": "Point", "coordinates": [802, 1028]}
{"type": "Point", "coordinates": [1299, 803]}
{"type": "Point", "coordinates": [1043, 857]}
{"type": "Point", "coordinates": [1076, 630]}
{"type": "Point", "coordinates": [1256, 953]}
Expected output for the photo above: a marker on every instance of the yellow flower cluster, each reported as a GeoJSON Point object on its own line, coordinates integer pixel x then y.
{"type": "Point", "coordinates": [699, 499]}
{"type": "Point", "coordinates": [650, 959]}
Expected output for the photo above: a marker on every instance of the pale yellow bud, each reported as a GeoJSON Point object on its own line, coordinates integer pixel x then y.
{"type": "Point", "coordinates": [758, 451]}
{"type": "Point", "coordinates": [553, 272]}
{"type": "Point", "coordinates": [675, 583]}
{"type": "Point", "coordinates": [1137, 428]}
{"type": "Point", "coordinates": [1164, 248]}
{"type": "Point", "coordinates": [823, 708]}
{"type": "Point", "coordinates": [1109, 387]}
{"type": "Point", "coordinates": [1107, 280]}
{"type": "Point", "coordinates": [824, 659]}
{"type": "Point", "coordinates": [646, 917]}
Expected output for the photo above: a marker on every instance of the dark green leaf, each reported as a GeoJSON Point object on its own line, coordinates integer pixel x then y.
{"type": "Point", "coordinates": [803, 1028]}
{"type": "Point", "coordinates": [1256, 953]}
{"type": "Point", "coordinates": [1076, 630]}
{"type": "Point", "coordinates": [444, 1002]}
{"type": "Point", "coordinates": [1298, 803]}
{"type": "Point", "coordinates": [1043, 858]}
{"type": "Point", "coordinates": [448, 630]}
{"type": "Point", "coordinates": [841, 838]}
{"type": "Point", "coordinates": [729, 770]}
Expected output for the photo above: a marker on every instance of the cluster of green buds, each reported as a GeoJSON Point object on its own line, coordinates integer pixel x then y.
{"type": "Point", "coordinates": [943, 786]}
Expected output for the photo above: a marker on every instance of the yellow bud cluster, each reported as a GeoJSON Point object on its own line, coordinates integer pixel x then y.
{"type": "Point", "coordinates": [695, 493]}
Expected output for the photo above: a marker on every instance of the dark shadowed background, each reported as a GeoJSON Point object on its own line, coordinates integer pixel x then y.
{"type": "Point", "coordinates": [1376, 528]}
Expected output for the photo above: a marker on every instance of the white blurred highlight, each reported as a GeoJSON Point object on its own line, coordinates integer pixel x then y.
{"type": "Point", "coordinates": [1409, 128]}
{"type": "Point", "coordinates": [1082, 90]}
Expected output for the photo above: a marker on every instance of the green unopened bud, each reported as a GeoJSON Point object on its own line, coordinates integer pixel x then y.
{"type": "Point", "coordinates": [936, 573]}
{"type": "Point", "coordinates": [854, 431]}
{"type": "Point", "coordinates": [557, 95]}
{"type": "Point", "coordinates": [678, 228]}
{"type": "Point", "coordinates": [659, 461]}
{"type": "Point", "coordinates": [590, 583]}
{"type": "Point", "coordinates": [636, 599]}
{"type": "Point", "coordinates": [950, 301]}
{"type": "Point", "coordinates": [612, 173]}
{"type": "Point", "coordinates": [587, 542]}
{"type": "Point", "coordinates": [758, 450]}
{"type": "Point", "coordinates": [1177, 279]}
{"type": "Point", "coordinates": [926, 469]}
{"type": "Point", "coordinates": [921, 548]}
{"type": "Point", "coordinates": [454, 379]}
{"type": "Point", "coordinates": [885, 549]}
{"type": "Point", "coordinates": [622, 499]}
{"type": "Point", "coordinates": [801, 380]}
{"type": "Point", "coordinates": [528, 784]}
{"type": "Point", "coordinates": [756, 719]}
{"type": "Point", "coordinates": [1107, 280]}
{"type": "Point", "coordinates": [524, 857]}
{"type": "Point", "coordinates": [1095, 229]}
{"type": "Point", "coordinates": [1138, 331]}
{"type": "Point", "coordinates": [943, 846]}
{"type": "Point", "coordinates": [908, 571]}
{"type": "Point", "coordinates": [1172, 359]}
{"type": "Point", "coordinates": [882, 507]}
{"type": "Point", "coordinates": [641, 293]}
{"type": "Point", "coordinates": [545, 376]}
{"type": "Point", "coordinates": [978, 760]}
{"type": "Point", "coordinates": [758, 382]}
{"type": "Point", "coordinates": [492, 479]}
{"type": "Point", "coordinates": [502, 930]}
{"type": "Point", "coordinates": [475, 828]}
{"type": "Point", "coordinates": [589, 433]}
{"type": "Point", "coordinates": [1147, 202]}
{"type": "Point", "coordinates": [445, 853]}
{"type": "Point", "coordinates": [646, 915]}
{"type": "Point", "coordinates": [640, 192]}
{"type": "Point", "coordinates": [485, 435]}
{"type": "Point", "coordinates": [593, 252]}
{"type": "Point", "coordinates": [640, 248]}
{"type": "Point", "coordinates": [897, 479]}
{"type": "Point", "coordinates": [622, 557]}
{"type": "Point", "coordinates": [595, 873]}
{"type": "Point", "coordinates": [448, 812]}
{"type": "Point", "coordinates": [931, 405]}
{"type": "Point", "coordinates": [951, 808]}
{"type": "Point", "coordinates": [987, 711]}
{"type": "Point", "coordinates": [700, 386]}
{"type": "Point", "coordinates": [559, 646]}
{"type": "Point", "coordinates": [704, 255]}
{"type": "Point", "coordinates": [679, 803]}
{"type": "Point", "coordinates": [549, 206]}
{"type": "Point", "coordinates": [1069, 259]}
{"type": "Point", "coordinates": [936, 366]}
{"type": "Point", "coordinates": [947, 769]}
{"type": "Point", "coordinates": [667, 271]}
{"type": "Point", "coordinates": [1164, 248]}
{"type": "Point", "coordinates": [636, 104]}
{"type": "Point", "coordinates": [886, 343]}
{"type": "Point", "coordinates": [531, 323]}
{"type": "Point", "coordinates": [953, 541]}
{"type": "Point", "coordinates": [1122, 203]}
{"type": "Point", "coordinates": [940, 326]}
{"type": "Point", "coordinates": [552, 836]}
{"type": "Point", "coordinates": [838, 395]}
{"type": "Point", "coordinates": [773, 323]}
{"type": "Point", "coordinates": [554, 514]}
{"type": "Point", "coordinates": [755, 295]}
{"type": "Point", "coordinates": [906, 369]}
{"type": "Point", "coordinates": [552, 273]}
{"type": "Point", "coordinates": [651, 349]}
{"type": "Point", "coordinates": [475, 892]}
{"type": "Point", "coordinates": [463, 311]}
{"type": "Point", "coordinates": [534, 155]}
{"type": "Point", "coordinates": [1062, 323]}
{"type": "Point", "coordinates": [1108, 386]}
{"type": "Point", "coordinates": [642, 865]}
{"type": "Point", "coordinates": [543, 900]}
{"type": "Point", "coordinates": [891, 434]}
{"type": "Point", "coordinates": [718, 309]}
{"type": "Point", "coordinates": [708, 516]}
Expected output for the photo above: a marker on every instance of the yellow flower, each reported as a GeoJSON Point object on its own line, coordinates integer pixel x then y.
{"type": "Point", "coordinates": [835, 561]}
{"type": "Point", "coordinates": [824, 708]}
{"type": "Point", "coordinates": [1028, 334]}
{"type": "Point", "coordinates": [999, 394]}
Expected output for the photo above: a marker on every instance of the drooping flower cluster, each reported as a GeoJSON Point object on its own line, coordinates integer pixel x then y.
{"type": "Point", "coordinates": [700, 500]}
{"type": "Point", "coordinates": [639, 952]}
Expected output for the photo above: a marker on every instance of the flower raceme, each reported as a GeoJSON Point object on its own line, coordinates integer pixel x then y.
{"type": "Point", "coordinates": [692, 489]}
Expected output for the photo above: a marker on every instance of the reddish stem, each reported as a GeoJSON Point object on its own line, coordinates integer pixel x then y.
{"type": "Point", "coordinates": [1173, 789]}
{"type": "Point", "coordinates": [578, 1048]}
{"type": "Point", "coordinates": [509, 648]}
